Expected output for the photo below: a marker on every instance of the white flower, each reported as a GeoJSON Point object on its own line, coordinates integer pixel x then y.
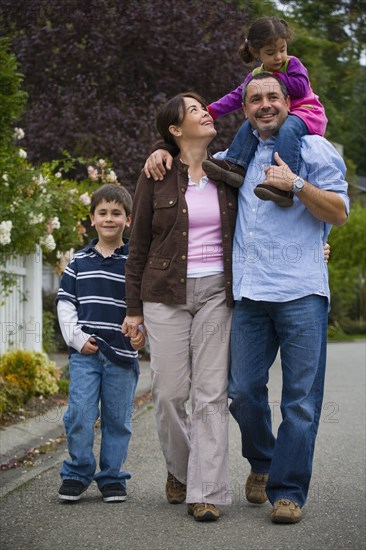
{"type": "Point", "coordinates": [102, 163]}
{"type": "Point", "coordinates": [36, 218]}
{"type": "Point", "coordinates": [55, 223]}
{"type": "Point", "coordinates": [48, 242]}
{"type": "Point", "coordinates": [22, 154]}
{"type": "Point", "coordinates": [111, 177]}
{"type": "Point", "coordinates": [5, 177]}
{"type": "Point", "coordinates": [93, 173]}
{"type": "Point", "coordinates": [19, 133]}
{"type": "Point", "coordinates": [58, 175]}
{"type": "Point", "coordinates": [42, 181]}
{"type": "Point", "coordinates": [85, 199]}
{"type": "Point", "coordinates": [64, 258]}
{"type": "Point", "coordinates": [73, 191]}
{"type": "Point", "coordinates": [5, 231]}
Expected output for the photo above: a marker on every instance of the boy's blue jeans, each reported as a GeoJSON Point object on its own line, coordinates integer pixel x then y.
{"type": "Point", "coordinates": [95, 380]}
{"type": "Point", "coordinates": [287, 144]}
{"type": "Point", "coordinates": [298, 328]}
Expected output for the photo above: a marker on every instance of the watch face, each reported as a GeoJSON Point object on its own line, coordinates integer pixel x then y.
{"type": "Point", "coordinates": [298, 184]}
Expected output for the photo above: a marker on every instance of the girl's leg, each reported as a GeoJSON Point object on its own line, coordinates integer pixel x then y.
{"type": "Point", "coordinates": [288, 142]}
{"type": "Point", "coordinates": [232, 169]}
{"type": "Point", "coordinates": [243, 146]}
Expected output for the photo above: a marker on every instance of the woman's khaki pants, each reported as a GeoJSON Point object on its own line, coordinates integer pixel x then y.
{"type": "Point", "coordinates": [189, 347]}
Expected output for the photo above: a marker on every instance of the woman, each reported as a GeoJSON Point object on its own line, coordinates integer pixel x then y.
{"type": "Point", "coordinates": [178, 283]}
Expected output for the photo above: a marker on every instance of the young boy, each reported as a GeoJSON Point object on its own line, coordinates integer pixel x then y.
{"type": "Point", "coordinates": [103, 363]}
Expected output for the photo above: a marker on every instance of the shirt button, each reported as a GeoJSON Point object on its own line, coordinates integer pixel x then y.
{"type": "Point", "coordinates": [230, 203]}
{"type": "Point", "coordinates": [171, 202]}
{"type": "Point", "coordinates": [184, 211]}
{"type": "Point", "coordinates": [164, 264]}
{"type": "Point", "coordinates": [221, 191]}
{"type": "Point", "coordinates": [183, 257]}
{"type": "Point", "coordinates": [226, 236]}
{"type": "Point", "coordinates": [223, 213]}
{"type": "Point", "coordinates": [182, 280]}
{"type": "Point", "coordinates": [184, 233]}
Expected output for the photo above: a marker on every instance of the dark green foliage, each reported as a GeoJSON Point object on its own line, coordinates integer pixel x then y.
{"type": "Point", "coordinates": [96, 71]}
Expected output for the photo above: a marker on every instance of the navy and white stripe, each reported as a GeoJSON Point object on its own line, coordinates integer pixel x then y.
{"type": "Point", "coordinates": [96, 286]}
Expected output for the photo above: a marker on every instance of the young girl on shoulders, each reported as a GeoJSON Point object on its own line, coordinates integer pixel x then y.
{"type": "Point", "coordinates": [267, 41]}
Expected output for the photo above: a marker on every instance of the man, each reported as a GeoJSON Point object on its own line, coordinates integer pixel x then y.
{"type": "Point", "coordinates": [281, 292]}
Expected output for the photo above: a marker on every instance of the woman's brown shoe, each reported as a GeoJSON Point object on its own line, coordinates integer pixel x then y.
{"type": "Point", "coordinates": [175, 490]}
{"type": "Point", "coordinates": [203, 512]}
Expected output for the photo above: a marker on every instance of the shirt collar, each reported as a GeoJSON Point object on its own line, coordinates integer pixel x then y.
{"type": "Point", "coordinates": [120, 250]}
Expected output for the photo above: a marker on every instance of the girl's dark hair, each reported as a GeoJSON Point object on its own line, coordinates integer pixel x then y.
{"type": "Point", "coordinates": [112, 192]}
{"type": "Point", "coordinates": [173, 113]}
{"type": "Point", "coordinates": [262, 32]}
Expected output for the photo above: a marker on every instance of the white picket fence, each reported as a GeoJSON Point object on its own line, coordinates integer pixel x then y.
{"type": "Point", "coordinates": [21, 309]}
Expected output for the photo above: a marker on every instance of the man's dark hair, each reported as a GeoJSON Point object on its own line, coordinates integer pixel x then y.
{"type": "Point", "coordinates": [263, 76]}
{"type": "Point", "coordinates": [112, 192]}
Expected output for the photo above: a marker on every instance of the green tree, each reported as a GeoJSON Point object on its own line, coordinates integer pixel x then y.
{"type": "Point", "coordinates": [347, 266]}
{"type": "Point", "coordinates": [330, 40]}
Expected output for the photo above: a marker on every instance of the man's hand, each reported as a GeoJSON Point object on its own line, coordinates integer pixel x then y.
{"type": "Point", "coordinates": [280, 176]}
{"type": "Point", "coordinates": [90, 347]}
{"type": "Point", "coordinates": [157, 164]}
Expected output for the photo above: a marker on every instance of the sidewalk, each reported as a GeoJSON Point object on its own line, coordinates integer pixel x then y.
{"type": "Point", "coordinates": [33, 518]}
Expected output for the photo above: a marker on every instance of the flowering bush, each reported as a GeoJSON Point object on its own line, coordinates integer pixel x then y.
{"type": "Point", "coordinates": [43, 205]}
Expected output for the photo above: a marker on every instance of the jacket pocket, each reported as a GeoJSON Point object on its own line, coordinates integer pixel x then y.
{"type": "Point", "coordinates": [164, 201]}
{"type": "Point", "coordinates": [158, 263]}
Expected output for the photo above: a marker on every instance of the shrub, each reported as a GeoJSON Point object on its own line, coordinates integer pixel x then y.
{"type": "Point", "coordinates": [11, 396]}
{"type": "Point", "coordinates": [24, 374]}
{"type": "Point", "coordinates": [18, 368]}
{"type": "Point", "coordinates": [48, 332]}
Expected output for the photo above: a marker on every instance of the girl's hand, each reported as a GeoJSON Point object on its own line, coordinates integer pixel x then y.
{"type": "Point", "coordinates": [157, 164]}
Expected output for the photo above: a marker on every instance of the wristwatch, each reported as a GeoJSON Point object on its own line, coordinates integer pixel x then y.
{"type": "Point", "coordinates": [298, 184]}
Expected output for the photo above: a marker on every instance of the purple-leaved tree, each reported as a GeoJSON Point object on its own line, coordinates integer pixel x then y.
{"type": "Point", "coordinates": [96, 71]}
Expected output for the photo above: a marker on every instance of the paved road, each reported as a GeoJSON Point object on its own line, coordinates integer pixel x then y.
{"type": "Point", "coordinates": [33, 518]}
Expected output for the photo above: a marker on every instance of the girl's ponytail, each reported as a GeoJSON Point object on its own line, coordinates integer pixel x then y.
{"type": "Point", "coordinates": [245, 53]}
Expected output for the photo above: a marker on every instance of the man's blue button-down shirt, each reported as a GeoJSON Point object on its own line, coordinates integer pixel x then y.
{"type": "Point", "coordinates": [278, 252]}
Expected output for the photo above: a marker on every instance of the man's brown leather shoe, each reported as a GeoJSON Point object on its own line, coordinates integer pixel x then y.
{"type": "Point", "coordinates": [255, 488]}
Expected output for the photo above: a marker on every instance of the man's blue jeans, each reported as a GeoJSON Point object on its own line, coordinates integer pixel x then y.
{"type": "Point", "coordinates": [93, 380]}
{"type": "Point", "coordinates": [298, 328]}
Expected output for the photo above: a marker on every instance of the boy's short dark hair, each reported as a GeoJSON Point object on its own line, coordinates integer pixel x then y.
{"type": "Point", "coordinates": [112, 192]}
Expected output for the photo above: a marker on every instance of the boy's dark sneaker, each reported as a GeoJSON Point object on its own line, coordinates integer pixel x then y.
{"type": "Point", "coordinates": [224, 172]}
{"type": "Point", "coordinates": [113, 492]}
{"type": "Point", "coordinates": [71, 489]}
{"type": "Point", "coordinates": [269, 193]}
